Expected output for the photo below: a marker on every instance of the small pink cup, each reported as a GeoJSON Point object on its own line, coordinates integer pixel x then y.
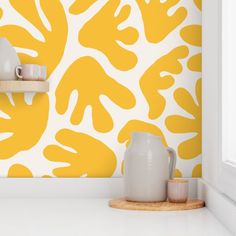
{"type": "Point", "coordinates": [31, 72]}
{"type": "Point", "coordinates": [177, 190]}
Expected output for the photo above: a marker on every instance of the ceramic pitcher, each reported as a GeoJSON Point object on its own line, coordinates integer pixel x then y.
{"type": "Point", "coordinates": [147, 167]}
{"type": "Point", "coordinates": [8, 60]}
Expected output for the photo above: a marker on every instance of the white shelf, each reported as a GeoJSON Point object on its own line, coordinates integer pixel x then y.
{"type": "Point", "coordinates": [16, 86]}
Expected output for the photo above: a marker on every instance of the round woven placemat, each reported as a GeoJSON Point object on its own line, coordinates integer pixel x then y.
{"type": "Point", "coordinates": [121, 203]}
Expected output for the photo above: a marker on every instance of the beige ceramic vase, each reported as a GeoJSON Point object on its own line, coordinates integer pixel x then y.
{"type": "Point", "coordinates": [147, 168]}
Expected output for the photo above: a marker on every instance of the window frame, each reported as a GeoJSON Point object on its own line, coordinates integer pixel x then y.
{"type": "Point", "coordinates": [227, 169]}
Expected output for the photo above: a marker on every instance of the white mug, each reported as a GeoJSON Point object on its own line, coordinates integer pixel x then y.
{"type": "Point", "coordinates": [31, 72]}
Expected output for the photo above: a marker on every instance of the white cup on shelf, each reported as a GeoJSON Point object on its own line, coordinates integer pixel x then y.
{"type": "Point", "coordinates": [31, 72]}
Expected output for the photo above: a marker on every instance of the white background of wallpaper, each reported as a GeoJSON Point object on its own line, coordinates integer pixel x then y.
{"type": "Point", "coordinates": [146, 52]}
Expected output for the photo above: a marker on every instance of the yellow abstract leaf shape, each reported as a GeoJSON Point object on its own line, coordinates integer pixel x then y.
{"type": "Point", "coordinates": [157, 22]}
{"type": "Point", "coordinates": [122, 167]}
{"type": "Point", "coordinates": [197, 171]}
{"type": "Point", "coordinates": [27, 122]}
{"type": "Point", "coordinates": [1, 13]}
{"type": "Point", "coordinates": [178, 173]}
{"type": "Point", "coordinates": [19, 171]}
{"type": "Point", "coordinates": [179, 124]}
{"type": "Point", "coordinates": [50, 51]}
{"type": "Point", "coordinates": [80, 6]}
{"type": "Point", "coordinates": [198, 3]}
{"type": "Point", "coordinates": [195, 63]}
{"type": "Point", "coordinates": [124, 135]}
{"type": "Point", "coordinates": [192, 34]}
{"type": "Point", "coordinates": [90, 157]}
{"type": "Point", "coordinates": [90, 80]}
{"type": "Point", "coordinates": [152, 81]}
{"type": "Point", "coordinates": [101, 33]}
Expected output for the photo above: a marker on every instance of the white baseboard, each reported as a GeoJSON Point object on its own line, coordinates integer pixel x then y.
{"type": "Point", "coordinates": [60, 187]}
{"type": "Point", "coordinates": [220, 205]}
{"type": "Point", "coordinates": [68, 187]}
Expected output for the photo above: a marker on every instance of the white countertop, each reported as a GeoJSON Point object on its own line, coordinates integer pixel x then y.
{"type": "Point", "coordinates": [90, 217]}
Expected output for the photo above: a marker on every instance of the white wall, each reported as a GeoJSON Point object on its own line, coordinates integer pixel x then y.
{"type": "Point", "coordinates": [211, 90]}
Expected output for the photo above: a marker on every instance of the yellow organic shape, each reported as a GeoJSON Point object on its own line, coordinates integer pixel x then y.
{"type": "Point", "coordinates": [152, 81]}
{"type": "Point", "coordinates": [1, 12]}
{"type": "Point", "coordinates": [90, 156]}
{"type": "Point", "coordinates": [19, 171]}
{"type": "Point", "coordinates": [90, 80]}
{"type": "Point", "coordinates": [80, 6]}
{"type": "Point", "coordinates": [195, 63]}
{"type": "Point", "coordinates": [178, 124]}
{"type": "Point", "coordinates": [122, 167]}
{"type": "Point", "coordinates": [178, 173]}
{"type": "Point", "coordinates": [51, 50]}
{"type": "Point", "coordinates": [198, 3]}
{"type": "Point", "coordinates": [197, 171]}
{"type": "Point", "coordinates": [192, 34]}
{"type": "Point", "coordinates": [27, 122]}
{"type": "Point", "coordinates": [138, 126]}
{"type": "Point", "coordinates": [101, 33]}
{"type": "Point", "coordinates": [157, 23]}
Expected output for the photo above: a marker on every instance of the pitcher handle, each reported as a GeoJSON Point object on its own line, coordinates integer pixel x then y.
{"type": "Point", "coordinates": [172, 164]}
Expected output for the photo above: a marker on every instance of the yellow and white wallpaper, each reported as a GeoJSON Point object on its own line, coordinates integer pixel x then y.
{"type": "Point", "coordinates": [115, 66]}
